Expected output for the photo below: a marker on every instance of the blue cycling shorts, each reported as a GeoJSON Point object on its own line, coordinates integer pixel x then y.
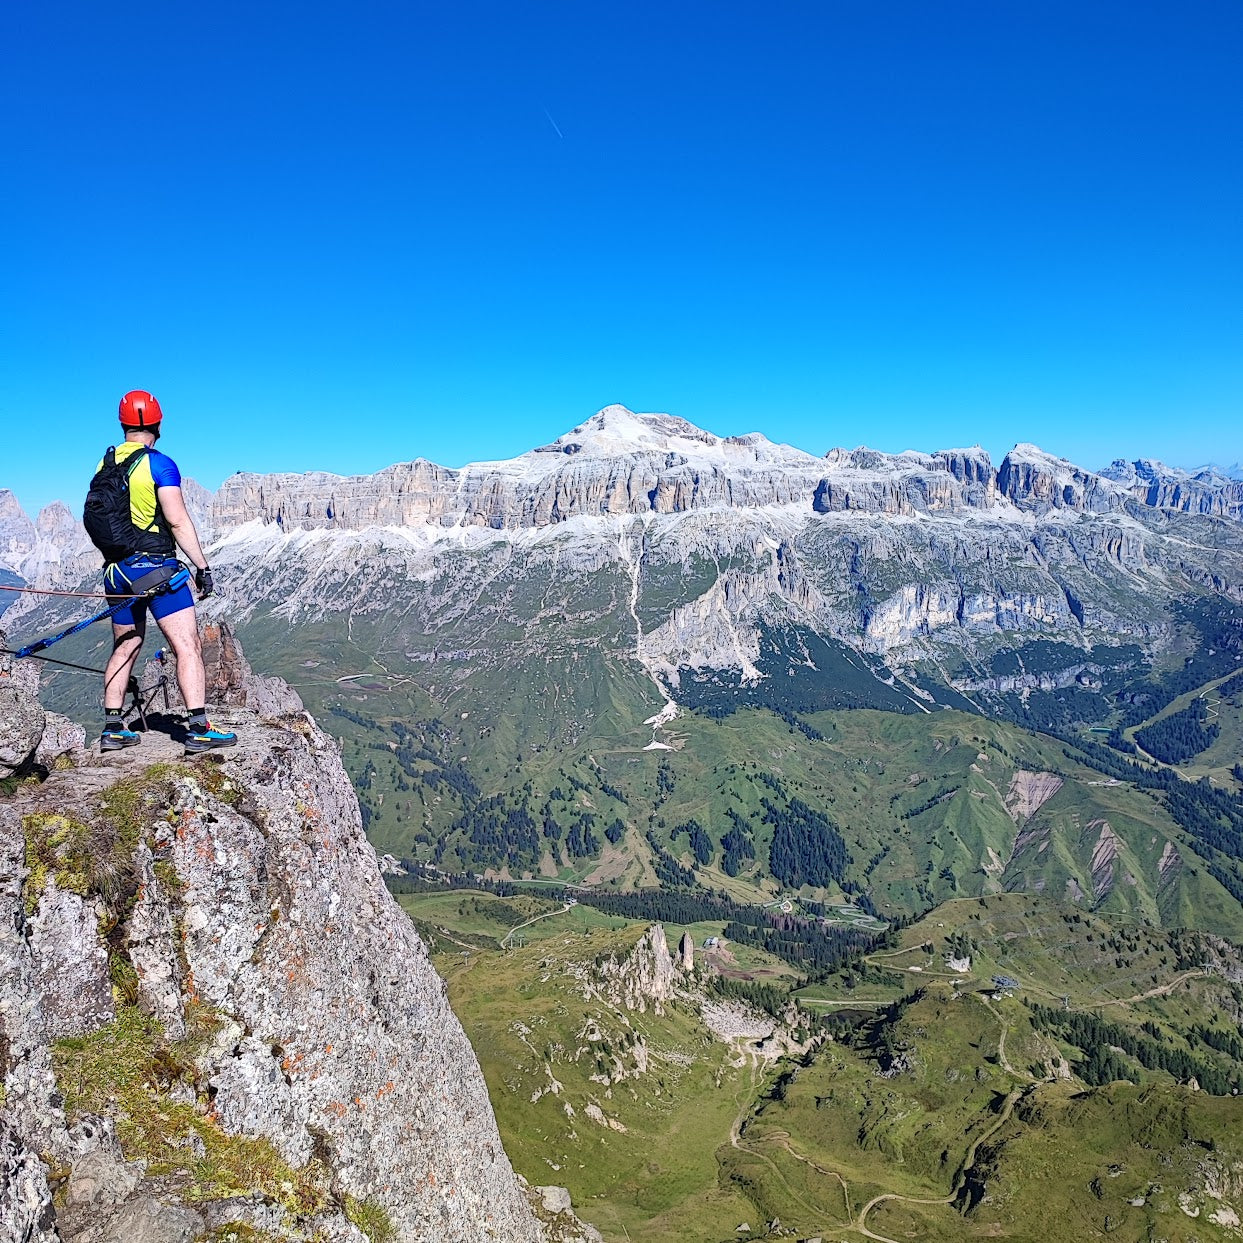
{"type": "Point", "coordinates": [118, 577]}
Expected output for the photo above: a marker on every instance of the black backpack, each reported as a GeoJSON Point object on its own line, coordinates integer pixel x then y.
{"type": "Point", "coordinates": [107, 513]}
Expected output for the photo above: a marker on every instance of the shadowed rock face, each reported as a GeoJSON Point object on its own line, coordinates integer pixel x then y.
{"type": "Point", "coordinates": [255, 926]}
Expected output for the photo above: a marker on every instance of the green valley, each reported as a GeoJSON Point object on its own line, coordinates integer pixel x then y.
{"type": "Point", "coordinates": [905, 1094]}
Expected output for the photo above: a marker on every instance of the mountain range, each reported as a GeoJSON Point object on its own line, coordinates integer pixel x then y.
{"type": "Point", "coordinates": [483, 639]}
{"type": "Point", "coordinates": [912, 555]}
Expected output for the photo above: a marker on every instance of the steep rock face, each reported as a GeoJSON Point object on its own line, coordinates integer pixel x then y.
{"type": "Point", "coordinates": [646, 976]}
{"type": "Point", "coordinates": [1037, 481]}
{"type": "Point", "coordinates": [198, 501]}
{"type": "Point", "coordinates": [947, 481]}
{"type": "Point", "coordinates": [270, 990]}
{"type": "Point", "coordinates": [17, 532]}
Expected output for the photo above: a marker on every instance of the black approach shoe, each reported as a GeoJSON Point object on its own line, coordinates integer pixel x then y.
{"type": "Point", "coordinates": [118, 739]}
{"type": "Point", "coordinates": [205, 738]}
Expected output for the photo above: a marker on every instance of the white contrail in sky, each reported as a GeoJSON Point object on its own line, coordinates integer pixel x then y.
{"type": "Point", "coordinates": [553, 124]}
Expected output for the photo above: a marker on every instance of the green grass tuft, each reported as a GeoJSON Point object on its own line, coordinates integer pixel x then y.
{"type": "Point", "coordinates": [125, 1070]}
{"type": "Point", "coordinates": [371, 1218]}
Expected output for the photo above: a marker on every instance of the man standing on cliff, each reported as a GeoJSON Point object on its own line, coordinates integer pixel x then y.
{"type": "Point", "coordinates": [159, 525]}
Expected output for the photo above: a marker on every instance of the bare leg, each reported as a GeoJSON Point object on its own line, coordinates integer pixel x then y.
{"type": "Point", "coordinates": [126, 644]}
{"type": "Point", "coordinates": [181, 629]}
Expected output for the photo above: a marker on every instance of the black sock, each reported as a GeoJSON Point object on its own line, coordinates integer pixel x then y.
{"type": "Point", "coordinates": [198, 716]}
{"type": "Point", "coordinates": [113, 719]}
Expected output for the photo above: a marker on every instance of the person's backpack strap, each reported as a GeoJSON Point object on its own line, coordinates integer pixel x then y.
{"type": "Point", "coordinates": [133, 460]}
{"type": "Point", "coordinates": [131, 464]}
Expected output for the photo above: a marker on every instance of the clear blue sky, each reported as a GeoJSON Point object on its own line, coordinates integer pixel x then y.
{"type": "Point", "coordinates": [334, 237]}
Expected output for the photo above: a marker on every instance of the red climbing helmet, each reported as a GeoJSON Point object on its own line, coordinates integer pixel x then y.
{"type": "Point", "coordinates": [139, 410]}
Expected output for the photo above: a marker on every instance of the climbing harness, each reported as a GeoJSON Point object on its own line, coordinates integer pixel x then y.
{"type": "Point", "coordinates": [157, 582]}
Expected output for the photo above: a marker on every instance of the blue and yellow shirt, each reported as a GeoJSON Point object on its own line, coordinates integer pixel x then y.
{"type": "Point", "coordinates": [156, 470]}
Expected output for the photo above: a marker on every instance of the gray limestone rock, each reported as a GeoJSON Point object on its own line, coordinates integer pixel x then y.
{"type": "Point", "coordinates": [645, 976]}
{"type": "Point", "coordinates": [22, 717]}
{"type": "Point", "coordinates": [29, 734]}
{"type": "Point", "coordinates": [322, 1027]}
{"type": "Point", "coordinates": [289, 929]}
{"type": "Point", "coordinates": [61, 737]}
{"type": "Point", "coordinates": [554, 1199]}
{"type": "Point", "coordinates": [23, 675]}
{"type": "Point", "coordinates": [148, 1220]}
{"type": "Point", "coordinates": [151, 941]}
{"type": "Point", "coordinates": [254, 1097]}
{"type": "Point", "coordinates": [26, 1210]}
{"type": "Point", "coordinates": [31, 1105]}
{"type": "Point", "coordinates": [71, 964]}
{"type": "Point", "coordinates": [102, 1177]}
{"type": "Point", "coordinates": [21, 728]}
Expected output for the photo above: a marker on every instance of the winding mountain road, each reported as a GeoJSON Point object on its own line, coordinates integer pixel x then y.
{"type": "Point", "coordinates": [860, 1222]}
{"type": "Point", "coordinates": [857, 1223]}
{"type": "Point", "coordinates": [534, 920]}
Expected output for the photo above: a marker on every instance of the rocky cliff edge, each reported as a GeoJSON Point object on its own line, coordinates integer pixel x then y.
{"type": "Point", "coordinates": [215, 1022]}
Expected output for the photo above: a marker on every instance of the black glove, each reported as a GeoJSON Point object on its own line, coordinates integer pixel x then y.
{"type": "Point", "coordinates": [203, 581]}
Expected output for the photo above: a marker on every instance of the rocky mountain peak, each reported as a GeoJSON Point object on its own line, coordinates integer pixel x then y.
{"type": "Point", "coordinates": [1207, 490]}
{"type": "Point", "coordinates": [646, 976]}
{"type": "Point", "coordinates": [617, 430]}
{"type": "Point", "coordinates": [1234, 471]}
{"type": "Point", "coordinates": [55, 521]}
{"type": "Point", "coordinates": [17, 532]}
{"type": "Point", "coordinates": [1038, 481]}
